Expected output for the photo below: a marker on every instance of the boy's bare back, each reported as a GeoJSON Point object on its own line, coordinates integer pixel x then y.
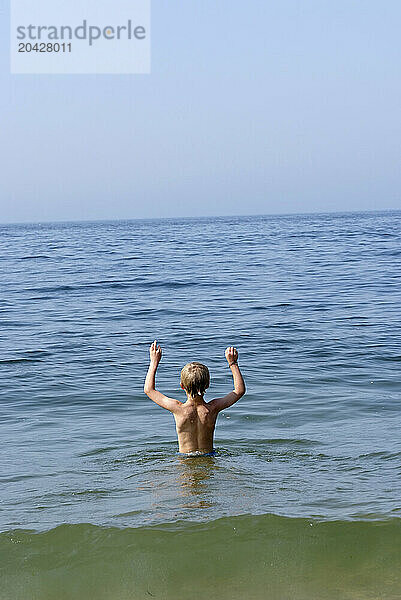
{"type": "Point", "coordinates": [195, 419]}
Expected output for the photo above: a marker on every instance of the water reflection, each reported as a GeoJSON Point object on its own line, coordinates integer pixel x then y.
{"type": "Point", "coordinates": [194, 475]}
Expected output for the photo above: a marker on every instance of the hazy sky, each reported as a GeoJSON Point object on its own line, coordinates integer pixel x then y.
{"type": "Point", "coordinates": [252, 107]}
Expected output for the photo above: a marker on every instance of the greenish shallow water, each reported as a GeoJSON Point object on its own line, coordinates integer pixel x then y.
{"type": "Point", "coordinates": [251, 557]}
{"type": "Point", "coordinates": [302, 500]}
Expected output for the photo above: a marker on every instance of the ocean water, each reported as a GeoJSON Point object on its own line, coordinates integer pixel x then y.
{"type": "Point", "coordinates": [302, 501]}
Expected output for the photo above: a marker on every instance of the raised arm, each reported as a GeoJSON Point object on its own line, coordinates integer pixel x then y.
{"type": "Point", "coordinates": [150, 390]}
{"type": "Point", "coordinates": [239, 385]}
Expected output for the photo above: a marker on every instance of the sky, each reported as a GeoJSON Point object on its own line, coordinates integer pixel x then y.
{"type": "Point", "coordinates": [261, 107]}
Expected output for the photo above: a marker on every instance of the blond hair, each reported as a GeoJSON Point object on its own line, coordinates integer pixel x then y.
{"type": "Point", "coordinates": [195, 378]}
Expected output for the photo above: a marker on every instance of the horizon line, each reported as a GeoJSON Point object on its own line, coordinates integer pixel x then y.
{"type": "Point", "coordinates": [188, 217]}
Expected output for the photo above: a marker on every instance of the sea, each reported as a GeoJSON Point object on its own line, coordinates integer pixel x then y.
{"type": "Point", "coordinates": [303, 498]}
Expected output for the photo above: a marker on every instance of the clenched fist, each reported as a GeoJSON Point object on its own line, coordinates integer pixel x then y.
{"type": "Point", "coordinates": [231, 355]}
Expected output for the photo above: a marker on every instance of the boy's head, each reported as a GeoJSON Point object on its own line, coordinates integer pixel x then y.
{"type": "Point", "coordinates": [195, 378]}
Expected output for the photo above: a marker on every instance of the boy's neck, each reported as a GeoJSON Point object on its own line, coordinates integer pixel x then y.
{"type": "Point", "coordinates": [195, 399]}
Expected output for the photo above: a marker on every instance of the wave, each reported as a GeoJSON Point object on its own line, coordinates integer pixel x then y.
{"type": "Point", "coordinates": [33, 256]}
{"type": "Point", "coordinates": [30, 356]}
{"type": "Point", "coordinates": [11, 361]}
{"type": "Point", "coordinates": [136, 282]}
{"type": "Point", "coordinates": [255, 557]}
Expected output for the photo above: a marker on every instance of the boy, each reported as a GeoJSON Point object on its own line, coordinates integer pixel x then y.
{"type": "Point", "coordinates": [195, 419]}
